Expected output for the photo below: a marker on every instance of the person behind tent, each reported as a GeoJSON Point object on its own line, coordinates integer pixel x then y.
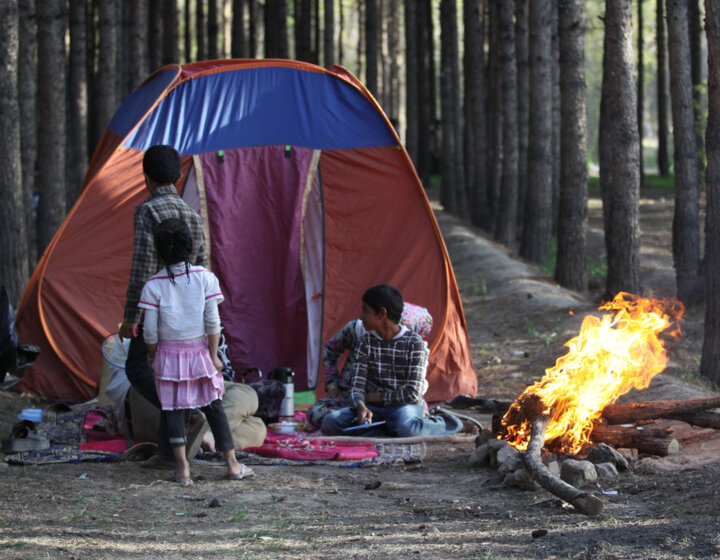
{"type": "Point", "coordinates": [337, 381]}
{"type": "Point", "coordinates": [388, 376]}
{"type": "Point", "coordinates": [182, 332]}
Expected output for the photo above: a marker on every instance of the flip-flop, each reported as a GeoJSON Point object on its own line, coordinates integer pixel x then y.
{"type": "Point", "coordinates": [181, 480]}
{"type": "Point", "coordinates": [245, 472]}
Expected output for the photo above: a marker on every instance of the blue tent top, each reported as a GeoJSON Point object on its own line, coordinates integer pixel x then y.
{"type": "Point", "coordinates": [257, 106]}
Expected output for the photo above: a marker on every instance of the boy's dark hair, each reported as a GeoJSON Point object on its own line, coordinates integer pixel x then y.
{"type": "Point", "coordinates": [385, 296]}
{"type": "Point", "coordinates": [162, 164]}
{"type": "Point", "coordinates": [174, 244]}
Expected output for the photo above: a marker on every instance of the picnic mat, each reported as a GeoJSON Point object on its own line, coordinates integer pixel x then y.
{"type": "Point", "coordinates": [84, 433]}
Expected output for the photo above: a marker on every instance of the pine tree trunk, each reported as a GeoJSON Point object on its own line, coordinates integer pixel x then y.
{"type": "Point", "coordinates": [507, 217]}
{"type": "Point", "coordinates": [155, 34]}
{"type": "Point", "coordinates": [106, 90]}
{"type": "Point", "coordinates": [200, 30]}
{"type": "Point", "coordinates": [522, 56]}
{"type": "Point", "coordinates": [137, 43]}
{"type": "Point", "coordinates": [411, 80]}
{"type": "Point", "coordinates": [662, 95]}
{"type": "Point", "coordinates": [252, 29]}
{"type": "Point", "coordinates": [622, 231]}
{"type": "Point", "coordinates": [426, 88]}
{"type": "Point", "coordinates": [212, 29]}
{"type": "Point", "coordinates": [696, 29]}
{"type": "Point", "coordinates": [78, 99]}
{"type": "Point", "coordinates": [276, 40]}
{"type": "Point", "coordinates": [686, 231]}
{"type": "Point", "coordinates": [392, 87]}
{"type": "Point", "coordinates": [13, 239]}
{"type": "Point", "coordinates": [303, 22]}
{"type": "Point", "coordinates": [170, 32]}
{"type": "Point", "coordinates": [537, 233]}
{"type": "Point", "coordinates": [371, 46]}
{"type": "Point", "coordinates": [555, 119]}
{"type": "Point", "coordinates": [494, 112]}
{"type": "Point", "coordinates": [329, 34]}
{"type": "Point", "coordinates": [474, 107]}
{"type": "Point", "coordinates": [710, 363]}
{"type": "Point", "coordinates": [238, 45]}
{"type": "Point", "coordinates": [187, 32]}
{"type": "Point", "coordinates": [571, 267]}
{"type": "Point", "coordinates": [640, 87]}
{"type": "Point", "coordinates": [51, 22]}
{"type": "Point", "coordinates": [28, 131]}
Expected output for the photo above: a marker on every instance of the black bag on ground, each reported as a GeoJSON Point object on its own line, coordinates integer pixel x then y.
{"type": "Point", "coordinates": [270, 392]}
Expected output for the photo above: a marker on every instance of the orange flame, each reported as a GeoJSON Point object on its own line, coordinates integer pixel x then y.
{"type": "Point", "coordinates": [610, 356]}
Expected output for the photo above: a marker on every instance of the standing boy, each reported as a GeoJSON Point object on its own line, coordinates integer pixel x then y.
{"type": "Point", "coordinates": [388, 378]}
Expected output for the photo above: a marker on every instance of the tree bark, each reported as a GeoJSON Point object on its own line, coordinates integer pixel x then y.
{"type": "Point", "coordinates": [139, 69]}
{"type": "Point", "coordinates": [371, 47]}
{"type": "Point", "coordinates": [78, 100]}
{"type": "Point", "coordinates": [27, 85]}
{"type": "Point", "coordinates": [200, 30]}
{"type": "Point", "coordinates": [411, 80]}
{"type": "Point", "coordinates": [686, 229]}
{"type": "Point", "coordinates": [426, 87]}
{"type": "Point", "coordinates": [303, 21]}
{"type": "Point", "coordinates": [505, 231]}
{"type": "Point", "coordinates": [522, 55]}
{"type": "Point", "coordinates": [155, 33]}
{"type": "Point", "coordinates": [474, 107]}
{"type": "Point", "coordinates": [584, 502]}
{"type": "Point", "coordinates": [710, 362]}
{"type": "Point", "coordinates": [537, 233]}
{"type": "Point", "coordinates": [391, 85]}
{"type": "Point", "coordinates": [622, 230]}
{"type": "Point", "coordinates": [51, 21]}
{"type": "Point", "coordinates": [640, 87]}
{"type": "Point", "coordinates": [13, 239]}
{"type": "Point", "coordinates": [276, 40]}
{"type": "Point", "coordinates": [170, 32]}
{"type": "Point", "coordinates": [212, 30]}
{"type": "Point", "coordinates": [329, 34]}
{"type": "Point", "coordinates": [494, 121]}
{"type": "Point", "coordinates": [654, 442]}
{"type": "Point", "coordinates": [106, 90]}
{"type": "Point", "coordinates": [648, 410]}
{"type": "Point", "coordinates": [239, 48]}
{"type": "Point", "coordinates": [571, 267]}
{"type": "Point", "coordinates": [696, 29]}
{"type": "Point", "coordinates": [555, 205]}
{"type": "Point", "coordinates": [662, 95]}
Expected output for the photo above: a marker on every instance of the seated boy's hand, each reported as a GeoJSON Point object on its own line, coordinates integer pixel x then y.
{"type": "Point", "coordinates": [363, 414]}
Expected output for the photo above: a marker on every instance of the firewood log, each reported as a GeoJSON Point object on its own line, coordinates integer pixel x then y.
{"type": "Point", "coordinates": [651, 440]}
{"type": "Point", "coordinates": [628, 413]}
{"type": "Point", "coordinates": [584, 502]}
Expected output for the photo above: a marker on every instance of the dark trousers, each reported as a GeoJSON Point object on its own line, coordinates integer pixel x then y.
{"type": "Point", "coordinates": [215, 414]}
{"type": "Point", "coordinates": [142, 378]}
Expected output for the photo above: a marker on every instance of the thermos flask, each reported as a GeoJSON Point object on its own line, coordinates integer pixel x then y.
{"type": "Point", "coordinates": [286, 375]}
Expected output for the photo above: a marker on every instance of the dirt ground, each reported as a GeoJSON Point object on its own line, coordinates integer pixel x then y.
{"type": "Point", "coordinates": [440, 508]}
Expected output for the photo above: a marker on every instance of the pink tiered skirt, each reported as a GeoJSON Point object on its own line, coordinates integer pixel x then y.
{"type": "Point", "coordinates": [185, 376]}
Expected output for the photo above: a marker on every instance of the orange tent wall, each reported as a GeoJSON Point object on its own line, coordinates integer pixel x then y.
{"type": "Point", "coordinates": [379, 228]}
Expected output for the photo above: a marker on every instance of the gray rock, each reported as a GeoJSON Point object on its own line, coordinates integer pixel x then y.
{"type": "Point", "coordinates": [603, 453]}
{"type": "Point", "coordinates": [479, 456]}
{"type": "Point", "coordinates": [512, 464]}
{"type": "Point", "coordinates": [606, 471]}
{"type": "Point", "coordinates": [521, 479]}
{"type": "Point", "coordinates": [578, 473]}
{"type": "Point", "coordinates": [554, 467]}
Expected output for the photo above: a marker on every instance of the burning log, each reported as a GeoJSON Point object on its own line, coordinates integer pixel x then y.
{"type": "Point", "coordinates": [584, 502]}
{"type": "Point", "coordinates": [651, 440]}
{"type": "Point", "coordinates": [533, 408]}
{"type": "Point", "coordinates": [628, 413]}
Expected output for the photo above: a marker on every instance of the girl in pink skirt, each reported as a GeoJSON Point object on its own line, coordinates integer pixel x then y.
{"type": "Point", "coordinates": [182, 331]}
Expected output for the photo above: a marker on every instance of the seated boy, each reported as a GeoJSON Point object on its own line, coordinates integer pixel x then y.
{"type": "Point", "coordinates": [388, 377]}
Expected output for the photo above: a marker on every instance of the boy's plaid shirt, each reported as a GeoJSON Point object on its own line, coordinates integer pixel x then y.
{"type": "Point", "coordinates": [163, 203]}
{"type": "Point", "coordinates": [394, 368]}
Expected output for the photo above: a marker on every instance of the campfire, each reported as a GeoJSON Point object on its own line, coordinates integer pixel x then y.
{"type": "Point", "coordinates": [622, 350]}
{"type": "Point", "coordinates": [571, 410]}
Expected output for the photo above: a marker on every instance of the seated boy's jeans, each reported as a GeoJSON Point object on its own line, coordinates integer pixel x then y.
{"type": "Point", "coordinates": [403, 420]}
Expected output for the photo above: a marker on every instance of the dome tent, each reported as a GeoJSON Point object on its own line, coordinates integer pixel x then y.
{"type": "Point", "coordinates": [307, 197]}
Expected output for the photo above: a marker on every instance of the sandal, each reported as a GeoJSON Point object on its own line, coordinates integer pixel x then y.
{"type": "Point", "coordinates": [181, 480]}
{"type": "Point", "coordinates": [245, 472]}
